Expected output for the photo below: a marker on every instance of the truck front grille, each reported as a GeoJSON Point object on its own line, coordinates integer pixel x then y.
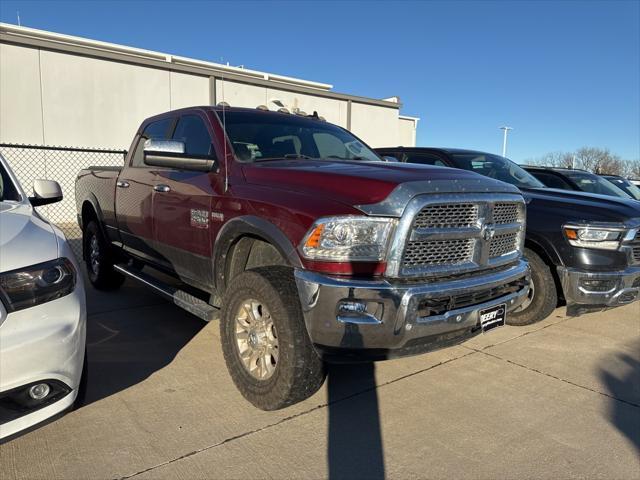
{"type": "Point", "coordinates": [503, 244]}
{"type": "Point", "coordinates": [457, 234]}
{"type": "Point", "coordinates": [506, 213]}
{"type": "Point", "coordinates": [447, 216]}
{"type": "Point", "coordinates": [448, 252]}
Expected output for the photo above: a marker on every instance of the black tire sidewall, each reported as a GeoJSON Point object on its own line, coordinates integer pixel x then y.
{"type": "Point", "coordinates": [545, 295]}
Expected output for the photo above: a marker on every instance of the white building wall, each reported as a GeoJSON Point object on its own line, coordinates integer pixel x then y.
{"type": "Point", "coordinates": [377, 126]}
{"type": "Point", "coordinates": [66, 99]}
{"type": "Point", "coordinates": [407, 132]}
{"type": "Point", "coordinates": [20, 101]}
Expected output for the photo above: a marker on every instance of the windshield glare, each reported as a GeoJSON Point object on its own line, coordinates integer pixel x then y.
{"type": "Point", "coordinates": [588, 182]}
{"type": "Point", "coordinates": [496, 167]}
{"type": "Point", "coordinates": [259, 136]}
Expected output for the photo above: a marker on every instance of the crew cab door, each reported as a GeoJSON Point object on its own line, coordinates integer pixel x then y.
{"type": "Point", "coordinates": [182, 201]}
{"type": "Point", "coordinates": [133, 197]}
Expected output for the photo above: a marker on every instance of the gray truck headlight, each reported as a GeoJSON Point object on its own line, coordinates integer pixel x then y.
{"type": "Point", "coordinates": [600, 237]}
{"type": "Point", "coordinates": [30, 286]}
{"type": "Point", "coordinates": [346, 239]}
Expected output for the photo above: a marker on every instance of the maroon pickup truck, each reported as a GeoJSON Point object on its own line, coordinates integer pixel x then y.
{"type": "Point", "coordinates": [303, 242]}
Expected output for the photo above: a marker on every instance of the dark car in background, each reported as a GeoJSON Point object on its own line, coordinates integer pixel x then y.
{"type": "Point", "coordinates": [623, 184]}
{"type": "Point", "coordinates": [581, 247]}
{"type": "Point", "coordinates": [577, 180]}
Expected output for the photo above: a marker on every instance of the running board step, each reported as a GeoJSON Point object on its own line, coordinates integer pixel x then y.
{"type": "Point", "coordinates": [182, 299]}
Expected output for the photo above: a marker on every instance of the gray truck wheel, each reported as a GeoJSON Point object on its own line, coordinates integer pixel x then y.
{"type": "Point", "coordinates": [265, 343]}
{"type": "Point", "coordinates": [543, 297]}
{"type": "Point", "coordinates": [99, 259]}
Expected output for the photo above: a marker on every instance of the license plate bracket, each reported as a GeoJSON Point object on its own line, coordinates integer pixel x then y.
{"type": "Point", "coordinates": [493, 317]}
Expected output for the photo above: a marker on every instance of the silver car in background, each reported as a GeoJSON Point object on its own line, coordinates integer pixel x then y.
{"type": "Point", "coordinates": [42, 310]}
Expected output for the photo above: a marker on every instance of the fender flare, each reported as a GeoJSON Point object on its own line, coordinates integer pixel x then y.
{"type": "Point", "coordinates": [256, 227]}
{"type": "Point", "coordinates": [93, 201]}
{"type": "Point", "coordinates": [541, 244]}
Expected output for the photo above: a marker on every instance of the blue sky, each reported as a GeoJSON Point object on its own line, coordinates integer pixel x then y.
{"type": "Point", "coordinates": [563, 74]}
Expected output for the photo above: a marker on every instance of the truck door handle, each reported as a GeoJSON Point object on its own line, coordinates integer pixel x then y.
{"type": "Point", "coordinates": [162, 188]}
{"type": "Point", "coordinates": [122, 184]}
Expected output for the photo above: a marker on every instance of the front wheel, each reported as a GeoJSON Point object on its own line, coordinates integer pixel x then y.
{"type": "Point", "coordinates": [542, 297]}
{"type": "Point", "coordinates": [265, 343]}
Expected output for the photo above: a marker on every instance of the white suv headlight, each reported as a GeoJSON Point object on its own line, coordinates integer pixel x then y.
{"type": "Point", "coordinates": [346, 239]}
{"type": "Point", "coordinates": [604, 238]}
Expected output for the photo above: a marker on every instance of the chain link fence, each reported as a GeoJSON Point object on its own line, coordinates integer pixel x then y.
{"type": "Point", "coordinates": [62, 164]}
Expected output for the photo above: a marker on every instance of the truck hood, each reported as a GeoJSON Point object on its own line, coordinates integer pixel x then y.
{"type": "Point", "coordinates": [365, 183]}
{"type": "Point", "coordinates": [580, 205]}
{"type": "Point", "coordinates": [25, 238]}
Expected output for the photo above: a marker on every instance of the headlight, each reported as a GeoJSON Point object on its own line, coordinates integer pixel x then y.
{"type": "Point", "coordinates": [345, 239]}
{"type": "Point", "coordinates": [605, 238]}
{"type": "Point", "coordinates": [37, 284]}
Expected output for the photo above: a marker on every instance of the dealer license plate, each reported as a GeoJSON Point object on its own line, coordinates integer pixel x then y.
{"type": "Point", "coordinates": [493, 317]}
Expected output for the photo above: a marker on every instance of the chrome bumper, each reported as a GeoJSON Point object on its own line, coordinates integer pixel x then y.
{"type": "Point", "coordinates": [379, 319]}
{"type": "Point", "coordinates": [602, 289]}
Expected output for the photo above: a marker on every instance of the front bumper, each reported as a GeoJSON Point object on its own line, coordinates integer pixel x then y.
{"type": "Point", "coordinates": [45, 342]}
{"type": "Point", "coordinates": [395, 320]}
{"type": "Point", "coordinates": [586, 291]}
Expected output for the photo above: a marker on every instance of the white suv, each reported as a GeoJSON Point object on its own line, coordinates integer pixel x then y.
{"type": "Point", "coordinates": [42, 310]}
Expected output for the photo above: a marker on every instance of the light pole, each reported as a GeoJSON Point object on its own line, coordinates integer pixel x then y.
{"type": "Point", "coordinates": [504, 140]}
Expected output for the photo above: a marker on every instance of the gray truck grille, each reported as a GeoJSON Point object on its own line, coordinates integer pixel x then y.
{"type": "Point", "coordinates": [458, 236]}
{"type": "Point", "coordinates": [447, 252]}
{"type": "Point", "coordinates": [503, 244]}
{"type": "Point", "coordinates": [504, 213]}
{"type": "Point", "coordinates": [455, 215]}
{"type": "Point", "coordinates": [636, 248]}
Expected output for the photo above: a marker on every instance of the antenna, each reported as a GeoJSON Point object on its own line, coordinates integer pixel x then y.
{"type": "Point", "coordinates": [18, 15]}
{"type": "Point", "coordinates": [224, 136]}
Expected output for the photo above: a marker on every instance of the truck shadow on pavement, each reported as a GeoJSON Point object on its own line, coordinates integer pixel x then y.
{"type": "Point", "coordinates": [129, 339]}
{"type": "Point", "coordinates": [625, 407]}
{"type": "Point", "coordinates": [354, 447]}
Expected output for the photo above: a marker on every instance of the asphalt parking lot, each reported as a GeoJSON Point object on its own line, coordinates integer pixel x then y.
{"type": "Point", "coordinates": [560, 399]}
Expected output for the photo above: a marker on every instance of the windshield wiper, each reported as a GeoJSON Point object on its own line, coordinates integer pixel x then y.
{"type": "Point", "coordinates": [295, 156]}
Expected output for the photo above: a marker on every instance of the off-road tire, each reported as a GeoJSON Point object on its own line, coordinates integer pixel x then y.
{"type": "Point", "coordinates": [104, 277]}
{"type": "Point", "coordinates": [545, 296]}
{"type": "Point", "coordinates": [299, 371]}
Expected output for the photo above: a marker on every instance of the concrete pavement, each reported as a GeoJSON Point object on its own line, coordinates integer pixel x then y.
{"type": "Point", "coordinates": [560, 399]}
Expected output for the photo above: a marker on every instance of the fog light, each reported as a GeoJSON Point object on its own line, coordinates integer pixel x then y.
{"type": "Point", "coordinates": [351, 307]}
{"type": "Point", "coordinates": [595, 285]}
{"type": "Point", "coordinates": [39, 391]}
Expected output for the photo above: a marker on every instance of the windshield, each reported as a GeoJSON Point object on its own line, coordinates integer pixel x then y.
{"type": "Point", "coordinates": [588, 182]}
{"type": "Point", "coordinates": [496, 167]}
{"type": "Point", "coordinates": [258, 136]}
{"type": "Point", "coordinates": [7, 189]}
{"type": "Point", "coordinates": [625, 185]}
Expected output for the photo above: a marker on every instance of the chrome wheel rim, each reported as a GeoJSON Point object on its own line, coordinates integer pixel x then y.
{"type": "Point", "coordinates": [94, 255]}
{"type": "Point", "coordinates": [527, 301]}
{"type": "Point", "coordinates": [256, 339]}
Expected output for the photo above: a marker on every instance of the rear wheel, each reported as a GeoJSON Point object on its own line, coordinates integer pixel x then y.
{"type": "Point", "coordinates": [265, 343]}
{"type": "Point", "coordinates": [542, 297]}
{"type": "Point", "coordinates": [100, 260]}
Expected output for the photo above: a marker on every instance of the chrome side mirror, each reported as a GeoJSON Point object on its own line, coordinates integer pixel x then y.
{"type": "Point", "coordinates": [171, 154]}
{"type": "Point", "coordinates": [45, 192]}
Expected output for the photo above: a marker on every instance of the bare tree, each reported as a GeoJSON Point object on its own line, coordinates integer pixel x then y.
{"type": "Point", "coordinates": [554, 159]}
